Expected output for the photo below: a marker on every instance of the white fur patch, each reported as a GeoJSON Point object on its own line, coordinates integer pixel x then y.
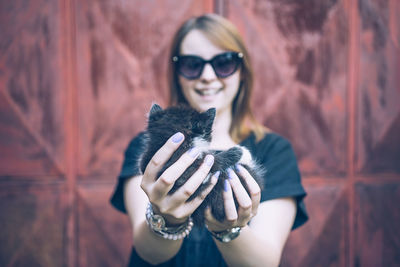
{"type": "Point", "coordinates": [246, 158]}
{"type": "Point", "coordinates": [201, 144]}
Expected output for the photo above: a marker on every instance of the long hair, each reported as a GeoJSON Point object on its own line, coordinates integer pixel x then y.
{"type": "Point", "coordinates": [225, 35]}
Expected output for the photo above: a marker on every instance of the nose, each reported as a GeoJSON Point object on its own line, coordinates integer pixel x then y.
{"type": "Point", "coordinates": [208, 73]}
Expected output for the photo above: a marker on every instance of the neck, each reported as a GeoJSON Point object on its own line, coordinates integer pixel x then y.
{"type": "Point", "coordinates": [221, 138]}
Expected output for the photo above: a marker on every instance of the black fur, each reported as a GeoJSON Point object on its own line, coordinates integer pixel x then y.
{"type": "Point", "coordinates": [162, 124]}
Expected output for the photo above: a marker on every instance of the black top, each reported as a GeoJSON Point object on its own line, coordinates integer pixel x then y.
{"type": "Point", "coordinates": [282, 179]}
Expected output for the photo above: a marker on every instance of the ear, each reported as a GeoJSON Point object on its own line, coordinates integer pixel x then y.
{"type": "Point", "coordinates": [152, 115]}
{"type": "Point", "coordinates": [211, 113]}
{"type": "Point", "coordinates": [154, 108]}
{"type": "Point", "coordinates": [208, 116]}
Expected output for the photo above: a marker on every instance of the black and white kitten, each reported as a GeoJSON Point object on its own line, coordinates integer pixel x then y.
{"type": "Point", "coordinates": [196, 127]}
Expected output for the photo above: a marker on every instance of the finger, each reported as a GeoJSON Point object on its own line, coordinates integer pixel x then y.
{"type": "Point", "coordinates": [212, 223]}
{"type": "Point", "coordinates": [196, 202]}
{"type": "Point", "coordinates": [161, 157]}
{"type": "Point", "coordinates": [208, 216]}
{"type": "Point", "coordinates": [253, 187]}
{"type": "Point", "coordinates": [185, 210]}
{"type": "Point", "coordinates": [243, 199]}
{"type": "Point", "coordinates": [229, 204]}
{"type": "Point", "coordinates": [167, 179]}
{"type": "Point", "coordinates": [188, 189]}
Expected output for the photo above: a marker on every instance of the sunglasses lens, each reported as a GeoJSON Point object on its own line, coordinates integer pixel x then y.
{"type": "Point", "coordinates": [190, 66]}
{"type": "Point", "coordinates": [225, 64]}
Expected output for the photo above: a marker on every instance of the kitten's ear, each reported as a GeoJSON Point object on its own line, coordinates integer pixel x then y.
{"type": "Point", "coordinates": [154, 108]}
{"type": "Point", "coordinates": [211, 112]}
{"type": "Point", "coordinates": [208, 117]}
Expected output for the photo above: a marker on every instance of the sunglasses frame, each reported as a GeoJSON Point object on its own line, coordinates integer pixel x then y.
{"type": "Point", "coordinates": [238, 55]}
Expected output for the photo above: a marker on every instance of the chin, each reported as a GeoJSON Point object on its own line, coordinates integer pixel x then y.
{"type": "Point", "coordinates": [205, 106]}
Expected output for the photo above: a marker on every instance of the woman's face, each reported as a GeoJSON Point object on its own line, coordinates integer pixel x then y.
{"type": "Point", "coordinates": [207, 91]}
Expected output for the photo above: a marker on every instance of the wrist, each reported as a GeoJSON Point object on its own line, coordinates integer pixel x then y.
{"type": "Point", "coordinates": [169, 220]}
{"type": "Point", "coordinates": [158, 225]}
{"type": "Point", "coordinates": [227, 235]}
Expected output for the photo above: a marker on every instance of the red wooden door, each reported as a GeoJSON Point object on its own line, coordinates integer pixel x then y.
{"type": "Point", "coordinates": [77, 77]}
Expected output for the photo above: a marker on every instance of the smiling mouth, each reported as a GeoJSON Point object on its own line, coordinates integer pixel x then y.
{"type": "Point", "coordinates": [208, 92]}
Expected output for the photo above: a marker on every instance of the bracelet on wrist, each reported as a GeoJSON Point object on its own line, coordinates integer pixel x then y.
{"type": "Point", "coordinates": [226, 235]}
{"type": "Point", "coordinates": [157, 225]}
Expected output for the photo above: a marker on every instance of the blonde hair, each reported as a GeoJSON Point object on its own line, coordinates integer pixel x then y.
{"type": "Point", "coordinates": [225, 35]}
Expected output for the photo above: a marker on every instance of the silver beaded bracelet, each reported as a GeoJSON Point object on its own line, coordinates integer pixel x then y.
{"type": "Point", "coordinates": [157, 225]}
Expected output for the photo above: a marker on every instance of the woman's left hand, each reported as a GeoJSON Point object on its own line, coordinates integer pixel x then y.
{"type": "Point", "coordinates": [247, 202]}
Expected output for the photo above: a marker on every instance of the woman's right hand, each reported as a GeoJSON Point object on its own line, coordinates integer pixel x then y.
{"type": "Point", "coordinates": [174, 207]}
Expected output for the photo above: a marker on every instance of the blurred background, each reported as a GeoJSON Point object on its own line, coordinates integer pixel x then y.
{"type": "Point", "coordinates": [77, 77]}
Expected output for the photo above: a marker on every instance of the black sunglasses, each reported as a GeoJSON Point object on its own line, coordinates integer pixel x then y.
{"type": "Point", "coordinates": [224, 64]}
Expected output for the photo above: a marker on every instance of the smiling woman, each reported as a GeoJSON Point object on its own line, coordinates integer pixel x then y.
{"type": "Point", "coordinates": [210, 70]}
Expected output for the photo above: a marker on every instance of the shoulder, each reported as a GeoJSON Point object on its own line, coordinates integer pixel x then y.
{"type": "Point", "coordinates": [271, 144]}
{"type": "Point", "coordinates": [274, 140]}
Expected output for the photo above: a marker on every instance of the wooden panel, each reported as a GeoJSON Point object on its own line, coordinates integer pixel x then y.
{"type": "Point", "coordinates": [379, 90]}
{"type": "Point", "coordinates": [299, 57]}
{"type": "Point", "coordinates": [32, 225]}
{"type": "Point", "coordinates": [22, 149]}
{"type": "Point", "coordinates": [31, 120]}
{"type": "Point", "coordinates": [122, 52]}
{"type": "Point", "coordinates": [104, 235]}
{"type": "Point", "coordinates": [323, 240]}
{"type": "Point", "coordinates": [378, 230]}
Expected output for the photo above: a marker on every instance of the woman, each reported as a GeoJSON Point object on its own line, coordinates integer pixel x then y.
{"type": "Point", "coordinates": [210, 67]}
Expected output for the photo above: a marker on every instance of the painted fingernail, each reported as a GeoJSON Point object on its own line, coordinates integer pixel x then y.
{"type": "Point", "coordinates": [176, 138]}
{"type": "Point", "coordinates": [209, 160]}
{"type": "Point", "coordinates": [237, 167]}
{"type": "Point", "coordinates": [193, 152]}
{"type": "Point", "coordinates": [217, 174]}
{"type": "Point", "coordinates": [226, 185]}
{"type": "Point", "coordinates": [230, 173]}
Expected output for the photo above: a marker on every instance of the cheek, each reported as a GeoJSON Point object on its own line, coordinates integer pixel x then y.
{"type": "Point", "coordinates": [233, 83]}
{"type": "Point", "coordinates": [185, 84]}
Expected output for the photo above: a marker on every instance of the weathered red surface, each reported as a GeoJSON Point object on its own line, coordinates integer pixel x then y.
{"type": "Point", "coordinates": [105, 237]}
{"type": "Point", "coordinates": [299, 54]}
{"type": "Point", "coordinates": [76, 81]}
{"type": "Point", "coordinates": [377, 237]}
{"type": "Point", "coordinates": [32, 223]}
{"type": "Point", "coordinates": [31, 126]}
{"type": "Point", "coordinates": [323, 241]}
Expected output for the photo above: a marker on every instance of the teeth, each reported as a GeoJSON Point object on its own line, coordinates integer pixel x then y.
{"type": "Point", "coordinates": [208, 92]}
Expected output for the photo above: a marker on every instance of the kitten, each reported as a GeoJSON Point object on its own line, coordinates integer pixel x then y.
{"type": "Point", "coordinates": [197, 127]}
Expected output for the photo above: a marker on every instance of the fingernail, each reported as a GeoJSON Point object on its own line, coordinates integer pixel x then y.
{"type": "Point", "coordinates": [230, 173]}
{"type": "Point", "coordinates": [237, 167]}
{"type": "Point", "coordinates": [217, 174]}
{"type": "Point", "coordinates": [209, 160]}
{"type": "Point", "coordinates": [226, 185]}
{"type": "Point", "coordinates": [193, 152]}
{"type": "Point", "coordinates": [176, 138]}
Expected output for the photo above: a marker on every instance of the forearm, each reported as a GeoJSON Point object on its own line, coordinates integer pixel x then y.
{"type": "Point", "coordinates": [249, 250]}
{"type": "Point", "coordinates": [152, 247]}
{"type": "Point", "coordinates": [149, 246]}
